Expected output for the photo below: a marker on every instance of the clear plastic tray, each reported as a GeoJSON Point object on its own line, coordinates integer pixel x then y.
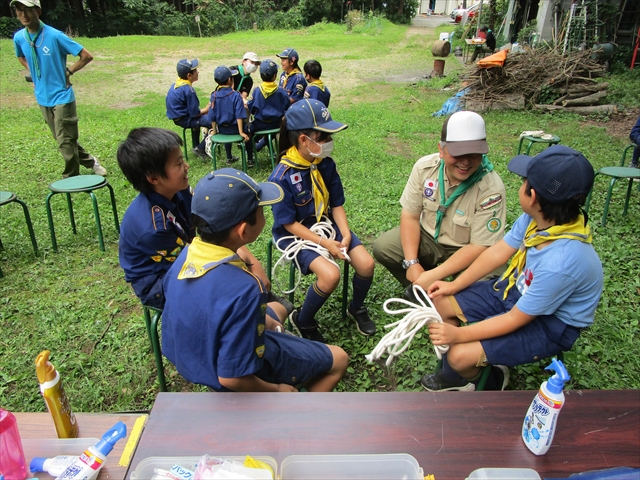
{"type": "Point", "coordinates": [395, 466]}
{"type": "Point", "coordinates": [144, 470]}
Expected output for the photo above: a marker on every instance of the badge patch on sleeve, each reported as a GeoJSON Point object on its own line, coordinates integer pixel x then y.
{"type": "Point", "coordinates": [494, 225]}
{"type": "Point", "coordinates": [490, 201]}
{"type": "Point", "coordinates": [260, 351]}
{"type": "Point", "coordinates": [295, 178]}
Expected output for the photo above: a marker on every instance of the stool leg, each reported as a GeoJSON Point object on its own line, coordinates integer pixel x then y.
{"type": "Point", "coordinates": [292, 280]}
{"type": "Point", "coordinates": [269, 258]}
{"type": "Point", "coordinates": [345, 289]}
{"type": "Point", "coordinates": [113, 207]}
{"type": "Point", "coordinates": [529, 148]}
{"type": "Point", "coordinates": [520, 145]}
{"type": "Point", "coordinates": [588, 202]}
{"type": "Point", "coordinates": [47, 203]}
{"type": "Point", "coordinates": [185, 149]}
{"type": "Point", "coordinates": [96, 213]}
{"type": "Point", "coordinates": [244, 157]}
{"type": "Point", "coordinates": [606, 203]}
{"type": "Point", "coordinates": [32, 234]}
{"type": "Point", "coordinates": [71, 217]}
{"type": "Point", "coordinates": [213, 155]}
{"type": "Point", "coordinates": [157, 352]}
{"type": "Point", "coordinates": [486, 371]}
{"type": "Point", "coordinates": [271, 139]}
{"type": "Point", "coordinates": [626, 202]}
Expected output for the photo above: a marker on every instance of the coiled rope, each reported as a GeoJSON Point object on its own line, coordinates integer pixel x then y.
{"type": "Point", "coordinates": [325, 230]}
{"type": "Point", "coordinates": [417, 316]}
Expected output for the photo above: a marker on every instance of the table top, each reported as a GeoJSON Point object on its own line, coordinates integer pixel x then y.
{"type": "Point", "coordinates": [35, 426]}
{"type": "Point", "coordinates": [449, 433]}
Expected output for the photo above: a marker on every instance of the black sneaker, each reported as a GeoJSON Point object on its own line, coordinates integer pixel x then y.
{"type": "Point", "coordinates": [364, 323]}
{"type": "Point", "coordinates": [272, 297]}
{"type": "Point", "coordinates": [408, 295]}
{"type": "Point", "coordinates": [232, 159]}
{"type": "Point", "coordinates": [310, 333]}
{"type": "Point", "coordinates": [435, 382]}
{"type": "Point", "coordinates": [200, 154]}
{"type": "Point", "coordinates": [499, 378]}
{"type": "Point", "coordinates": [251, 162]}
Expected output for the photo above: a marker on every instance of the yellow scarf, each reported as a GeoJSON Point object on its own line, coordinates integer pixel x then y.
{"type": "Point", "coordinates": [320, 193]}
{"type": "Point", "coordinates": [317, 83]}
{"type": "Point", "coordinates": [202, 257]}
{"type": "Point", "coordinates": [577, 230]}
{"type": "Point", "coordinates": [180, 82]}
{"type": "Point", "coordinates": [288, 75]}
{"type": "Point", "coordinates": [267, 88]}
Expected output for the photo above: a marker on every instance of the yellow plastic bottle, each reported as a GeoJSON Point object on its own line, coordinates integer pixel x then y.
{"type": "Point", "coordinates": [55, 397]}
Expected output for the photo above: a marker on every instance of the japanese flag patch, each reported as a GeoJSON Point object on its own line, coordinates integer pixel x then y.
{"type": "Point", "coordinates": [431, 184]}
{"type": "Point", "coordinates": [295, 178]}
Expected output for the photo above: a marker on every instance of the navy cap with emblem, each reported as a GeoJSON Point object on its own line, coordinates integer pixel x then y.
{"type": "Point", "coordinates": [226, 197]}
{"type": "Point", "coordinates": [312, 114]}
{"type": "Point", "coordinates": [222, 74]}
{"type": "Point", "coordinates": [268, 68]}
{"type": "Point", "coordinates": [185, 66]}
{"type": "Point", "coordinates": [290, 54]}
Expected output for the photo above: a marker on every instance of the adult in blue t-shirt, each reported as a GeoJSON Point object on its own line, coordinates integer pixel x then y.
{"type": "Point", "coordinates": [43, 51]}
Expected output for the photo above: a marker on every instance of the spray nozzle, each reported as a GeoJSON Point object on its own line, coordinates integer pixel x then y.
{"type": "Point", "coordinates": [556, 383]}
{"type": "Point", "coordinates": [111, 436]}
{"type": "Point", "coordinates": [44, 369]}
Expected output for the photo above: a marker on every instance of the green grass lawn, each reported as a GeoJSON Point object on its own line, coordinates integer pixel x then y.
{"type": "Point", "coordinates": [77, 304]}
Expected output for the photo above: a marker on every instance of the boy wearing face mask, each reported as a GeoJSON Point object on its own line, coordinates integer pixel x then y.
{"type": "Point", "coordinates": [242, 81]}
{"type": "Point", "coordinates": [313, 190]}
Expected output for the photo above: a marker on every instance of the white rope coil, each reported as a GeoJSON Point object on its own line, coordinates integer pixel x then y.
{"type": "Point", "coordinates": [324, 229]}
{"type": "Point", "coordinates": [417, 316]}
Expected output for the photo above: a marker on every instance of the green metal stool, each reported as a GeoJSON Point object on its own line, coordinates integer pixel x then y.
{"type": "Point", "coordinates": [80, 183]}
{"type": "Point", "coordinates": [554, 141]}
{"type": "Point", "coordinates": [292, 278]}
{"type": "Point", "coordinates": [9, 197]}
{"type": "Point", "coordinates": [221, 139]}
{"type": "Point", "coordinates": [185, 149]}
{"type": "Point", "coordinates": [271, 141]}
{"type": "Point", "coordinates": [616, 173]}
{"type": "Point", "coordinates": [151, 320]}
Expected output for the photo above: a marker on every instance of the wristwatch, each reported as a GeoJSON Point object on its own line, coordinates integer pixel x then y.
{"type": "Point", "coordinates": [407, 263]}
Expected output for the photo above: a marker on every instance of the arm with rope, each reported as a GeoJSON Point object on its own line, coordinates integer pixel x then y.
{"type": "Point", "coordinates": [340, 219]}
{"type": "Point", "coordinates": [410, 239]}
{"type": "Point", "coordinates": [456, 263]}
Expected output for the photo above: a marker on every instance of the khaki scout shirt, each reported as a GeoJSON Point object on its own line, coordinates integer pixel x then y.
{"type": "Point", "coordinates": [477, 216]}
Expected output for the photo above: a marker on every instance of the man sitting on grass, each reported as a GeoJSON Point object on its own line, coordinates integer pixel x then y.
{"type": "Point", "coordinates": [546, 297]}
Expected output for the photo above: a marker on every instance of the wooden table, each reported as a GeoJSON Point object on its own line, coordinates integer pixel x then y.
{"type": "Point", "coordinates": [469, 43]}
{"type": "Point", "coordinates": [450, 433]}
{"type": "Point", "coordinates": [40, 426]}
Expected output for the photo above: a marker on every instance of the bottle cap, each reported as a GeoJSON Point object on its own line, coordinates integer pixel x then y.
{"type": "Point", "coordinates": [37, 464]}
{"type": "Point", "coordinates": [111, 436]}
{"type": "Point", "coordinates": [44, 369]}
{"type": "Point", "coordinates": [556, 383]}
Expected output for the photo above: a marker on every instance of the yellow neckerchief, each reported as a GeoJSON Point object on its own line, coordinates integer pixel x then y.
{"type": "Point", "coordinates": [181, 82]}
{"type": "Point", "coordinates": [202, 257]}
{"type": "Point", "coordinates": [577, 230]}
{"type": "Point", "coordinates": [320, 193]}
{"type": "Point", "coordinates": [317, 83]}
{"type": "Point", "coordinates": [267, 88]}
{"type": "Point", "coordinates": [288, 75]}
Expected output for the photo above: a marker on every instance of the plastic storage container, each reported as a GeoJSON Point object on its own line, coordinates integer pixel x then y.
{"type": "Point", "coordinates": [396, 466]}
{"type": "Point", "coordinates": [504, 474]}
{"type": "Point", "coordinates": [144, 470]}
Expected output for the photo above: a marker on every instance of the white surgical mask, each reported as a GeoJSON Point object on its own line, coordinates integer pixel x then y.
{"type": "Point", "coordinates": [250, 68]}
{"type": "Point", "coordinates": [325, 149]}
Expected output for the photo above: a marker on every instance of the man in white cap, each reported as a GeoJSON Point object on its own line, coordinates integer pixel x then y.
{"type": "Point", "coordinates": [453, 208]}
{"type": "Point", "coordinates": [43, 51]}
{"type": "Point", "coordinates": [242, 81]}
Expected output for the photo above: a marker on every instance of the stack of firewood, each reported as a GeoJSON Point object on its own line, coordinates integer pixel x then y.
{"type": "Point", "coordinates": [540, 79]}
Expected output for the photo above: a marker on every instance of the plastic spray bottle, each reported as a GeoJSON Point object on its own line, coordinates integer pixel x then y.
{"type": "Point", "coordinates": [12, 464]}
{"type": "Point", "coordinates": [53, 466]}
{"type": "Point", "coordinates": [92, 459]}
{"type": "Point", "coordinates": [55, 397]}
{"type": "Point", "coordinates": [540, 422]}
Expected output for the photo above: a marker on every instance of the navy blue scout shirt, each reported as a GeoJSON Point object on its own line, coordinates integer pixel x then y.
{"type": "Point", "coordinates": [214, 325]}
{"type": "Point", "coordinates": [270, 109]}
{"type": "Point", "coordinates": [228, 107]}
{"type": "Point", "coordinates": [315, 92]}
{"type": "Point", "coordinates": [182, 102]}
{"type": "Point", "coordinates": [294, 85]}
{"type": "Point", "coordinates": [298, 204]}
{"type": "Point", "coordinates": [153, 232]}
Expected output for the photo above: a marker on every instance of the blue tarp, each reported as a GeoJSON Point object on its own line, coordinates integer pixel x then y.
{"type": "Point", "coordinates": [452, 105]}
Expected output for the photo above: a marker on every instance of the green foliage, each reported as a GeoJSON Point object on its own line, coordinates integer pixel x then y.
{"type": "Point", "coordinates": [9, 26]}
{"type": "Point", "coordinates": [525, 34]}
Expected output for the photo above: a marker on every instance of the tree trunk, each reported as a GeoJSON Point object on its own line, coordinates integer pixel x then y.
{"type": "Point", "coordinates": [586, 100]}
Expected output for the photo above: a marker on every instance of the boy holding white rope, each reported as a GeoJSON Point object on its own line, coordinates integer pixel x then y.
{"type": "Point", "coordinates": [313, 190]}
{"type": "Point", "coordinates": [555, 270]}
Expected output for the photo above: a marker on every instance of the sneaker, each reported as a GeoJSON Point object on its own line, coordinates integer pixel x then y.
{"type": "Point", "coordinates": [98, 169]}
{"type": "Point", "coordinates": [310, 333]}
{"type": "Point", "coordinates": [500, 375]}
{"type": "Point", "coordinates": [282, 301]}
{"type": "Point", "coordinates": [261, 144]}
{"type": "Point", "coordinates": [200, 154]}
{"type": "Point", "coordinates": [435, 382]}
{"type": "Point", "coordinates": [409, 296]}
{"type": "Point", "coordinates": [251, 162]}
{"type": "Point", "coordinates": [365, 324]}
{"type": "Point", "coordinates": [232, 159]}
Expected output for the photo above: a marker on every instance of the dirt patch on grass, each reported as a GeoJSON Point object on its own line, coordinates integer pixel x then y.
{"type": "Point", "coordinates": [398, 147]}
{"type": "Point", "coordinates": [619, 125]}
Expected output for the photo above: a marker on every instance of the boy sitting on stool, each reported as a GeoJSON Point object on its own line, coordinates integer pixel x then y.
{"type": "Point", "coordinates": [547, 295]}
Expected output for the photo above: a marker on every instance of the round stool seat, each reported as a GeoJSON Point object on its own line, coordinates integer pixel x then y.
{"type": "Point", "coordinates": [620, 172]}
{"type": "Point", "coordinates": [79, 183]}
{"type": "Point", "coordinates": [267, 132]}
{"type": "Point", "coordinates": [7, 197]}
{"type": "Point", "coordinates": [553, 141]}
{"type": "Point", "coordinates": [222, 138]}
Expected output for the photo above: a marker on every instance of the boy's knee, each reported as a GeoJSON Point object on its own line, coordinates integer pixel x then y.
{"type": "Point", "coordinates": [330, 279]}
{"type": "Point", "coordinates": [366, 267]}
{"type": "Point", "coordinates": [457, 356]}
{"type": "Point", "coordinates": [340, 360]}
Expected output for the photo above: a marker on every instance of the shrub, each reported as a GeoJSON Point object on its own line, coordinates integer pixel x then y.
{"type": "Point", "coordinates": [9, 26]}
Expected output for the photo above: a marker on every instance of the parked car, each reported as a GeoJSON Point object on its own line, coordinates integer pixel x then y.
{"type": "Point", "coordinates": [455, 12]}
{"type": "Point", "coordinates": [472, 11]}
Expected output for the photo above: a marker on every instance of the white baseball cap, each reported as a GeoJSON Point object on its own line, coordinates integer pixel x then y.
{"type": "Point", "coordinates": [251, 56]}
{"type": "Point", "coordinates": [465, 134]}
{"type": "Point", "coordinates": [27, 3]}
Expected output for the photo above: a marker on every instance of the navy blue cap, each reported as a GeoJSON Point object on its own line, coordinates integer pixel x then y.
{"type": "Point", "coordinates": [222, 74]}
{"type": "Point", "coordinates": [311, 114]}
{"type": "Point", "coordinates": [289, 53]}
{"type": "Point", "coordinates": [268, 68]}
{"type": "Point", "coordinates": [185, 66]}
{"type": "Point", "coordinates": [226, 197]}
{"type": "Point", "coordinates": [557, 174]}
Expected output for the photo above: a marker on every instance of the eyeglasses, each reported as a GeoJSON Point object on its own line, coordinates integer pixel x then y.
{"type": "Point", "coordinates": [22, 9]}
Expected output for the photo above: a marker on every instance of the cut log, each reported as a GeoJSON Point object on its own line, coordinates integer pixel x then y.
{"type": "Point", "coordinates": [592, 99]}
{"type": "Point", "coordinates": [601, 109]}
{"type": "Point", "coordinates": [583, 88]}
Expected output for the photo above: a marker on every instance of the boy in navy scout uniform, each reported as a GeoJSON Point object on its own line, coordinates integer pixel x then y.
{"type": "Point", "coordinates": [213, 325]}
{"type": "Point", "coordinates": [292, 79]}
{"type": "Point", "coordinates": [313, 190]}
{"type": "Point", "coordinates": [157, 225]}
{"type": "Point", "coordinates": [227, 113]}
{"type": "Point", "coordinates": [547, 295]}
{"type": "Point", "coordinates": [268, 102]}
{"type": "Point", "coordinates": [316, 88]}
{"type": "Point", "coordinates": [183, 105]}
